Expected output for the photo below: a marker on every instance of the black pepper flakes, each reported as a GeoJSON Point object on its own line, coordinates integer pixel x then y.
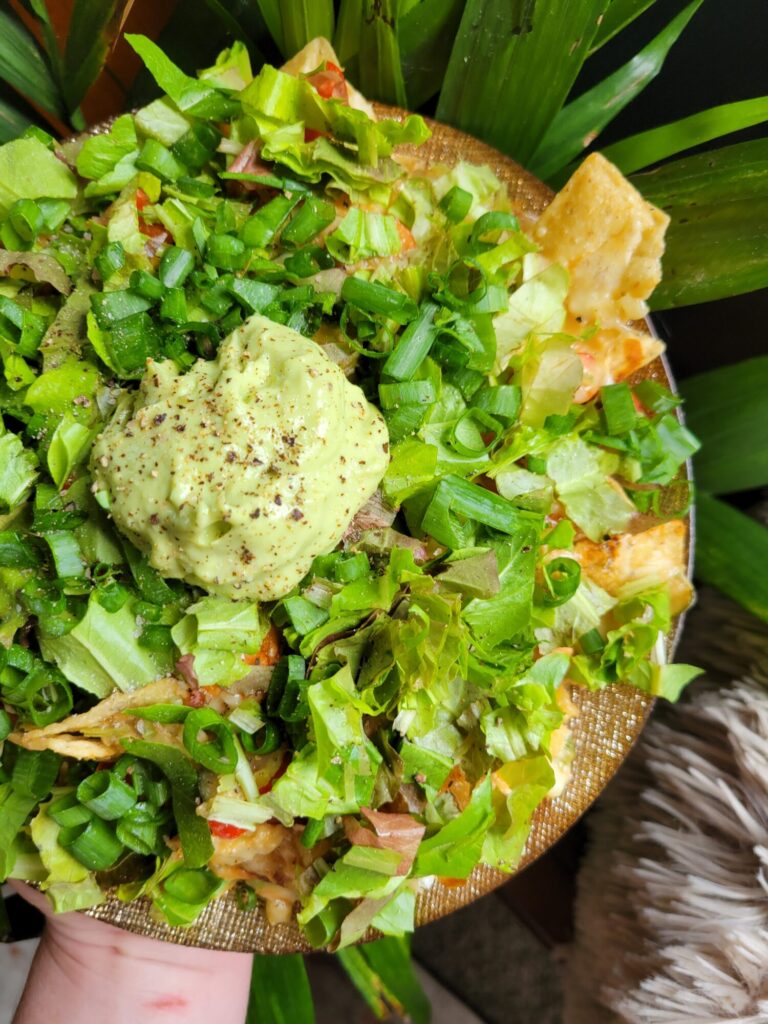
{"type": "Point", "coordinates": [160, 418]}
{"type": "Point", "coordinates": [296, 513]}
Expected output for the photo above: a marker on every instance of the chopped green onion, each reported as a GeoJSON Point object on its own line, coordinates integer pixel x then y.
{"type": "Point", "coordinates": [302, 614]}
{"type": "Point", "coordinates": [618, 408]}
{"type": "Point", "coordinates": [139, 830]}
{"type": "Point", "coordinates": [16, 552]}
{"type": "Point", "coordinates": [146, 285]}
{"type": "Point", "coordinates": [503, 401]}
{"type": "Point", "coordinates": [196, 147]}
{"type": "Point", "coordinates": [254, 296]}
{"type": "Point", "coordinates": [378, 299]}
{"type": "Point", "coordinates": [151, 584]}
{"type": "Point", "coordinates": [466, 434]}
{"type": "Point", "coordinates": [194, 832]}
{"type": "Point", "coordinates": [405, 420]}
{"type": "Point", "coordinates": [217, 754]}
{"type": "Point", "coordinates": [176, 264]}
{"type": "Point", "coordinates": [454, 496]}
{"type": "Point", "coordinates": [412, 392]}
{"type": "Point", "coordinates": [226, 252]}
{"type": "Point", "coordinates": [308, 261]}
{"type": "Point", "coordinates": [26, 219]}
{"type": "Point", "coordinates": [131, 342]}
{"type": "Point", "coordinates": [259, 230]}
{"type": "Point", "coordinates": [111, 307]}
{"type": "Point", "coordinates": [313, 215]}
{"type": "Point", "coordinates": [155, 158]}
{"type": "Point", "coordinates": [174, 306]}
{"type": "Point", "coordinates": [6, 726]}
{"type": "Point", "coordinates": [110, 260]}
{"type": "Point", "coordinates": [46, 695]}
{"type": "Point", "coordinates": [106, 794]}
{"type": "Point", "coordinates": [93, 843]}
{"type": "Point", "coordinates": [495, 220]}
{"type": "Point", "coordinates": [456, 204]}
{"type": "Point", "coordinates": [165, 713]}
{"type": "Point", "coordinates": [271, 740]}
{"type": "Point", "coordinates": [592, 642]}
{"type": "Point", "coordinates": [67, 557]}
{"type": "Point", "coordinates": [413, 345]}
{"type": "Point", "coordinates": [352, 567]}
{"type": "Point", "coordinates": [561, 581]}
{"type": "Point", "coordinates": [68, 812]}
{"type": "Point", "coordinates": [287, 693]}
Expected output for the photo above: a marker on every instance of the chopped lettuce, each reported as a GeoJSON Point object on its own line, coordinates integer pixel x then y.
{"type": "Point", "coordinates": [218, 632]}
{"type": "Point", "coordinates": [582, 476]}
{"type": "Point", "coordinates": [536, 307]}
{"type": "Point", "coordinates": [363, 234]}
{"type": "Point", "coordinates": [102, 653]}
{"type": "Point", "coordinates": [18, 472]}
{"type": "Point", "coordinates": [519, 787]}
{"type": "Point", "coordinates": [29, 170]}
{"type": "Point", "coordinates": [455, 849]}
{"type": "Point", "coordinates": [68, 884]}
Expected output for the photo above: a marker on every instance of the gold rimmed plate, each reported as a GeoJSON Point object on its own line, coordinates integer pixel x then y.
{"type": "Point", "coordinates": [607, 724]}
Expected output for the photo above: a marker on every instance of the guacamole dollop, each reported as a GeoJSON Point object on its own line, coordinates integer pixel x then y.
{"type": "Point", "coordinates": [235, 475]}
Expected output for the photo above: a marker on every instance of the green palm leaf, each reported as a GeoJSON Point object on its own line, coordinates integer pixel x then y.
{"type": "Point", "coordinates": [303, 20]}
{"type": "Point", "coordinates": [426, 33]}
{"type": "Point", "coordinates": [24, 68]}
{"type": "Point", "coordinates": [280, 992]}
{"type": "Point", "coordinates": [650, 147]}
{"type": "Point", "coordinates": [578, 123]}
{"type": "Point", "coordinates": [717, 242]}
{"type": "Point", "coordinates": [383, 974]}
{"type": "Point", "coordinates": [620, 14]}
{"type": "Point", "coordinates": [505, 83]}
{"type": "Point", "coordinates": [731, 554]}
{"type": "Point", "coordinates": [726, 410]}
{"type": "Point", "coordinates": [89, 37]}
{"type": "Point", "coordinates": [12, 122]}
{"type": "Point", "coordinates": [380, 72]}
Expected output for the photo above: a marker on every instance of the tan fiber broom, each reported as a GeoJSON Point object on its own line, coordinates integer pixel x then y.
{"type": "Point", "coordinates": [672, 908]}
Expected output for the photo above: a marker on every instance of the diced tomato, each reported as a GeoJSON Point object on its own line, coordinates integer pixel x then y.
{"type": "Point", "coordinates": [407, 241]}
{"type": "Point", "coordinates": [153, 230]}
{"type": "Point", "coordinates": [282, 769]}
{"type": "Point", "coordinates": [142, 199]}
{"type": "Point", "coordinates": [310, 134]}
{"type": "Point", "coordinates": [268, 653]}
{"type": "Point", "coordinates": [222, 830]}
{"type": "Point", "coordinates": [330, 82]}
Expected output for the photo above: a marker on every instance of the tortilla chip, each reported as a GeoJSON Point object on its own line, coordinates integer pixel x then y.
{"type": "Point", "coordinates": [612, 355]}
{"type": "Point", "coordinates": [312, 56]}
{"type": "Point", "coordinates": [610, 239]}
{"type": "Point", "coordinates": [95, 734]}
{"type": "Point", "coordinates": [639, 561]}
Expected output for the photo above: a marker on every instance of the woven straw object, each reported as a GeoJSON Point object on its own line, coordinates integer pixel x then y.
{"type": "Point", "coordinates": [604, 732]}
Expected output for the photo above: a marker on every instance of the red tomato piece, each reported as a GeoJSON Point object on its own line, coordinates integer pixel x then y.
{"type": "Point", "coordinates": [222, 830]}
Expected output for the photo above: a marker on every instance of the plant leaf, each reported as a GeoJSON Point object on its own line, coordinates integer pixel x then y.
{"type": "Point", "coordinates": [620, 14]}
{"type": "Point", "coordinates": [303, 20]}
{"type": "Point", "coordinates": [657, 144]}
{"type": "Point", "coordinates": [731, 554]}
{"type": "Point", "coordinates": [89, 37]}
{"type": "Point", "coordinates": [717, 243]}
{"type": "Point", "coordinates": [270, 12]}
{"type": "Point", "coordinates": [726, 409]}
{"type": "Point", "coordinates": [426, 33]}
{"type": "Point", "coordinates": [234, 27]}
{"type": "Point", "coordinates": [508, 51]}
{"type": "Point", "coordinates": [383, 974]}
{"type": "Point", "coordinates": [346, 42]}
{"type": "Point", "coordinates": [23, 66]}
{"type": "Point", "coordinates": [50, 41]}
{"type": "Point", "coordinates": [12, 122]}
{"type": "Point", "coordinates": [380, 73]}
{"type": "Point", "coordinates": [280, 992]}
{"type": "Point", "coordinates": [579, 123]}
{"type": "Point", "coordinates": [390, 962]}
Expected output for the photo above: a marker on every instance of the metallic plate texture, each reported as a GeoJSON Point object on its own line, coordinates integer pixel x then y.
{"type": "Point", "coordinates": [608, 725]}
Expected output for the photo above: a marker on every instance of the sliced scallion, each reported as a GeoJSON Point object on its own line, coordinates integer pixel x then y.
{"type": "Point", "coordinates": [413, 345]}
{"type": "Point", "coordinates": [106, 794]}
{"type": "Point", "coordinates": [378, 300]}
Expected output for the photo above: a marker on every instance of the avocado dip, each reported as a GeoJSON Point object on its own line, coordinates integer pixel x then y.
{"type": "Point", "coordinates": [235, 475]}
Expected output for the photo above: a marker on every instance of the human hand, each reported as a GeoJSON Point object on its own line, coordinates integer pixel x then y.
{"type": "Point", "coordinates": [86, 972]}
